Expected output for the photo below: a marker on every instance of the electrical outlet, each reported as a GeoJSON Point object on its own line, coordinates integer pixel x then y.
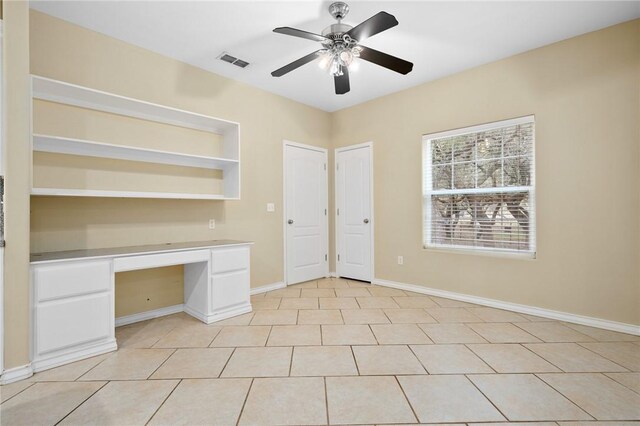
{"type": "Point", "coordinates": [271, 207]}
{"type": "Point", "coordinates": [400, 260]}
{"type": "Point", "coordinates": [212, 224]}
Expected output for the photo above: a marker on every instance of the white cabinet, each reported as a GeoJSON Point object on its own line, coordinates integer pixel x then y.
{"type": "Point", "coordinates": [221, 291]}
{"type": "Point", "coordinates": [72, 312]}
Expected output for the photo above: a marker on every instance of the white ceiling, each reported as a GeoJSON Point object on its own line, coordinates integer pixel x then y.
{"type": "Point", "coordinates": [440, 38]}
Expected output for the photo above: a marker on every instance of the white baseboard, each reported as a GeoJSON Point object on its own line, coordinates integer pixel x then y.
{"type": "Point", "coordinates": [143, 316]}
{"type": "Point", "coordinates": [267, 287]}
{"type": "Point", "coordinates": [523, 309]}
{"type": "Point", "coordinates": [15, 374]}
{"type": "Point", "coordinates": [219, 316]}
{"type": "Point", "coordinates": [333, 275]}
{"type": "Point", "coordinates": [75, 354]}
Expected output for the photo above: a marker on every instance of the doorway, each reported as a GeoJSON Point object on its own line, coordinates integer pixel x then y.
{"type": "Point", "coordinates": [354, 212]}
{"type": "Point", "coordinates": [305, 213]}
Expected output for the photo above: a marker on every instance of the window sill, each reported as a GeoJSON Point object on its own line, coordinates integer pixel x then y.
{"type": "Point", "coordinates": [484, 252]}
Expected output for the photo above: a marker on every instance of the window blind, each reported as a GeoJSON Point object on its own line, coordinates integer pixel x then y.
{"type": "Point", "coordinates": [479, 187]}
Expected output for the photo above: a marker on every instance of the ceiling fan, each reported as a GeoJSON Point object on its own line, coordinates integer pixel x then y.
{"type": "Point", "coordinates": [341, 45]}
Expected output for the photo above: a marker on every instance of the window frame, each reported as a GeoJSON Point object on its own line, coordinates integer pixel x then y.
{"type": "Point", "coordinates": [427, 193]}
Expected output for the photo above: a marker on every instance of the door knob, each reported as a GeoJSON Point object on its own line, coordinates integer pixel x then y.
{"type": "Point", "coordinates": [290, 221]}
{"type": "Point", "coordinates": [366, 221]}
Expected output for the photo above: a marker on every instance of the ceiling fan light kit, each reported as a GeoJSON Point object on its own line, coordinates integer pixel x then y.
{"type": "Point", "coordinates": [341, 45]}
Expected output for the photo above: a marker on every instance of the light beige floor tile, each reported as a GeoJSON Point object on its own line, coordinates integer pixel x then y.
{"type": "Point", "coordinates": [129, 364]}
{"type": "Point", "coordinates": [386, 360]}
{"type": "Point", "coordinates": [352, 292]}
{"type": "Point", "coordinates": [279, 317]}
{"type": "Point", "coordinates": [497, 315]}
{"type": "Point", "coordinates": [603, 335]}
{"type": "Point", "coordinates": [415, 302]}
{"type": "Point", "coordinates": [146, 333]}
{"type": "Point", "coordinates": [258, 296]}
{"type": "Point", "coordinates": [597, 394]}
{"type": "Point", "coordinates": [408, 316]}
{"type": "Point", "coordinates": [241, 335]}
{"type": "Point", "coordinates": [358, 400]}
{"type": "Point", "coordinates": [46, 403]}
{"type": "Point", "coordinates": [268, 303]}
{"type": "Point", "coordinates": [524, 397]}
{"type": "Point", "coordinates": [308, 284]}
{"type": "Point", "coordinates": [347, 335]}
{"type": "Point", "coordinates": [452, 315]}
{"type": "Point", "coordinates": [284, 292]}
{"type": "Point", "coordinates": [13, 389]}
{"type": "Point", "coordinates": [322, 316]}
{"type": "Point", "coordinates": [449, 359]}
{"type": "Point", "coordinates": [624, 353]}
{"type": "Point", "coordinates": [294, 335]}
{"type": "Point", "coordinates": [630, 380]}
{"type": "Point", "coordinates": [194, 363]}
{"type": "Point", "coordinates": [447, 399]}
{"type": "Point", "coordinates": [259, 362]}
{"type": "Point", "coordinates": [364, 316]}
{"type": "Point", "coordinates": [287, 401]}
{"type": "Point", "coordinates": [122, 403]}
{"type": "Point", "coordinates": [333, 283]}
{"type": "Point", "coordinates": [318, 292]}
{"type": "Point", "coordinates": [597, 423]}
{"type": "Point", "coordinates": [323, 361]}
{"type": "Point", "coordinates": [244, 319]}
{"type": "Point", "coordinates": [451, 333]}
{"type": "Point", "coordinates": [69, 372]}
{"type": "Point", "coordinates": [338, 303]}
{"type": "Point", "coordinates": [554, 332]}
{"type": "Point", "coordinates": [571, 357]}
{"type": "Point", "coordinates": [193, 336]}
{"type": "Point", "coordinates": [199, 402]}
{"type": "Point", "coordinates": [299, 303]}
{"type": "Point", "coordinates": [512, 358]}
{"type": "Point", "coordinates": [450, 303]}
{"type": "Point", "coordinates": [503, 333]}
{"type": "Point", "coordinates": [399, 334]}
{"type": "Point", "coordinates": [358, 284]}
{"type": "Point", "coordinates": [378, 291]}
{"type": "Point", "coordinates": [376, 302]}
{"type": "Point", "coordinates": [536, 318]}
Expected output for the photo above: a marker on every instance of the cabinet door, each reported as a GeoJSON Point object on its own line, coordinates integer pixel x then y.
{"type": "Point", "coordinates": [69, 322]}
{"type": "Point", "coordinates": [229, 289]}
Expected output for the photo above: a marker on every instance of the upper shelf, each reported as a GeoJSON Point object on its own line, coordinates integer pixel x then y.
{"type": "Point", "coordinates": [71, 94]}
{"type": "Point", "coordinates": [60, 145]}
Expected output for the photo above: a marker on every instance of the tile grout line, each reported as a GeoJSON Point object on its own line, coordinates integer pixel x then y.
{"type": "Point", "coordinates": [162, 363]}
{"type": "Point", "coordinates": [466, 376]}
{"type": "Point", "coordinates": [326, 399]}
{"type": "Point", "coordinates": [163, 401]}
{"type": "Point", "coordinates": [415, 415]}
{"type": "Point", "coordinates": [226, 363]}
{"type": "Point", "coordinates": [13, 396]}
{"type": "Point", "coordinates": [466, 345]}
{"type": "Point", "coordinates": [83, 401]}
{"type": "Point", "coordinates": [565, 396]}
{"type": "Point", "coordinates": [622, 384]}
{"type": "Point", "coordinates": [244, 403]}
{"type": "Point", "coordinates": [608, 359]}
{"type": "Point", "coordinates": [537, 354]}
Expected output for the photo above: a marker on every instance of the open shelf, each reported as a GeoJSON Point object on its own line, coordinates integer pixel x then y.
{"type": "Point", "coordinates": [83, 97]}
{"type": "Point", "coordinates": [60, 145]}
{"type": "Point", "coordinates": [59, 192]}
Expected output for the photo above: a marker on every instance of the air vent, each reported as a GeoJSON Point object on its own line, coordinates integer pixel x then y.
{"type": "Point", "coordinates": [224, 56]}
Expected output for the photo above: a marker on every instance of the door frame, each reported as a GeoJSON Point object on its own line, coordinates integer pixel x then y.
{"type": "Point", "coordinates": [372, 221]}
{"type": "Point", "coordinates": [324, 151]}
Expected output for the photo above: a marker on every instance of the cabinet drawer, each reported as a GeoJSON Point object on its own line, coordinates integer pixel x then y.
{"type": "Point", "coordinates": [229, 259]}
{"type": "Point", "coordinates": [71, 279]}
{"type": "Point", "coordinates": [132, 263]}
{"type": "Point", "coordinates": [229, 289]}
{"type": "Point", "coordinates": [70, 322]}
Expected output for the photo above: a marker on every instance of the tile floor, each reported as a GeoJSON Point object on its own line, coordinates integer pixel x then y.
{"type": "Point", "coordinates": [335, 351]}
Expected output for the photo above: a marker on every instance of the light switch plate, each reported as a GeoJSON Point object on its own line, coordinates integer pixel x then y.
{"type": "Point", "coordinates": [212, 224]}
{"type": "Point", "coordinates": [271, 207]}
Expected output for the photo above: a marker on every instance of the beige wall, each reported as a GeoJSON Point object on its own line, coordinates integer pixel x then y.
{"type": "Point", "coordinates": [17, 165]}
{"type": "Point", "coordinates": [584, 93]}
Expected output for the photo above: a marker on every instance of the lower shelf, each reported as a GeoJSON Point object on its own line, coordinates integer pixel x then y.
{"type": "Point", "coordinates": [56, 192]}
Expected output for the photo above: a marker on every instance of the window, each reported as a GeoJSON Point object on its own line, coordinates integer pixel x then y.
{"type": "Point", "coordinates": [479, 188]}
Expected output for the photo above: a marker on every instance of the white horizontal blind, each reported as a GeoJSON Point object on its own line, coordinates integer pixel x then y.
{"type": "Point", "coordinates": [479, 187]}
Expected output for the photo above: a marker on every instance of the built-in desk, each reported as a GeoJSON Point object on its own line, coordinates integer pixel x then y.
{"type": "Point", "coordinates": [72, 295]}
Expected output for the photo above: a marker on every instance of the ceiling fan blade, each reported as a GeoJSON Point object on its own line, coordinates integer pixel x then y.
{"type": "Point", "coordinates": [300, 33]}
{"type": "Point", "coordinates": [376, 24]}
{"type": "Point", "coordinates": [391, 62]}
{"type": "Point", "coordinates": [295, 64]}
{"type": "Point", "coordinates": [342, 82]}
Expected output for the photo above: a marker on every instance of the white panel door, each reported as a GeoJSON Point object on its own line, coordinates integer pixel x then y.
{"type": "Point", "coordinates": [305, 213]}
{"type": "Point", "coordinates": [354, 223]}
